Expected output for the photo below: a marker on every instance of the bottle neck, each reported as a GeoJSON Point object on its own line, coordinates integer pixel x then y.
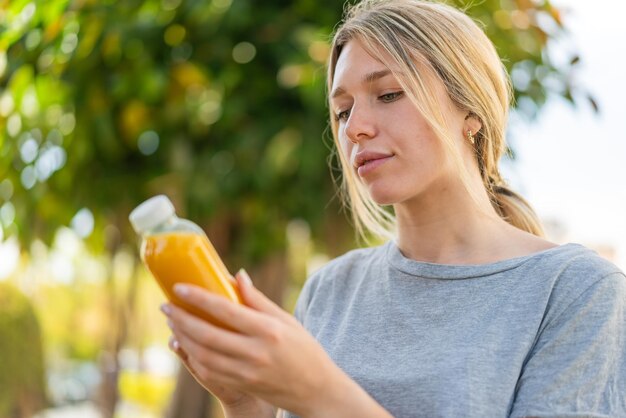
{"type": "Point", "coordinates": [167, 224]}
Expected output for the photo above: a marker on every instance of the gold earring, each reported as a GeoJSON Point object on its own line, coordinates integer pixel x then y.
{"type": "Point", "coordinates": [470, 137]}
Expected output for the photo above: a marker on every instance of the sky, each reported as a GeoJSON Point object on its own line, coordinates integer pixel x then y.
{"type": "Point", "coordinates": [571, 162]}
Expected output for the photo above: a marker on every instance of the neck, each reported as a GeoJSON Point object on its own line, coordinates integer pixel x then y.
{"type": "Point", "coordinates": [450, 228]}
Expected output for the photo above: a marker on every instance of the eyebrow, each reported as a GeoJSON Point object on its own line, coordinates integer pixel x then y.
{"type": "Point", "coordinates": [369, 78]}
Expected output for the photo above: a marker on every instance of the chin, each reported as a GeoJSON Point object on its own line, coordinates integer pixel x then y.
{"type": "Point", "coordinates": [383, 195]}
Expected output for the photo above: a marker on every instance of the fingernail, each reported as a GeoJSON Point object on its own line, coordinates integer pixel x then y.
{"type": "Point", "coordinates": [170, 324]}
{"type": "Point", "coordinates": [173, 343]}
{"type": "Point", "coordinates": [246, 278]}
{"type": "Point", "coordinates": [181, 290]}
{"type": "Point", "coordinates": [166, 309]}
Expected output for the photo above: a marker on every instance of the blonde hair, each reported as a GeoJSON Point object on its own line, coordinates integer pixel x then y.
{"type": "Point", "coordinates": [443, 43]}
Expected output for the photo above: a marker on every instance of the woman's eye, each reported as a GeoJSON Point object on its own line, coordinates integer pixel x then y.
{"type": "Point", "coordinates": [390, 97]}
{"type": "Point", "coordinates": [343, 115]}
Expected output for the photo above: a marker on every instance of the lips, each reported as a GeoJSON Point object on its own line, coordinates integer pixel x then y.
{"type": "Point", "coordinates": [367, 161]}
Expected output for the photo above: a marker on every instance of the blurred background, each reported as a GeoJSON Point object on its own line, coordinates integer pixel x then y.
{"type": "Point", "coordinates": [220, 104]}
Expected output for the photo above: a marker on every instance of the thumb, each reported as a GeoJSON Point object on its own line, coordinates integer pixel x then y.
{"type": "Point", "coordinates": [254, 298]}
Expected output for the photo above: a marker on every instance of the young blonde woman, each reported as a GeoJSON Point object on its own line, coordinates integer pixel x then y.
{"type": "Point", "coordinates": [466, 311]}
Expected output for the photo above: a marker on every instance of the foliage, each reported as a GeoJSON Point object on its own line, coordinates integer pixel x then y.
{"type": "Point", "coordinates": [219, 104]}
{"type": "Point", "coordinates": [76, 329]}
{"type": "Point", "coordinates": [522, 31]}
{"type": "Point", "coordinates": [21, 355]}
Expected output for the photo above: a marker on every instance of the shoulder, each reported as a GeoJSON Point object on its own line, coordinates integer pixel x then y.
{"type": "Point", "coordinates": [580, 268]}
{"type": "Point", "coordinates": [352, 258]}
{"type": "Point", "coordinates": [336, 276]}
{"type": "Point", "coordinates": [568, 266]}
{"type": "Point", "coordinates": [581, 260]}
{"type": "Point", "coordinates": [582, 277]}
{"type": "Point", "coordinates": [354, 261]}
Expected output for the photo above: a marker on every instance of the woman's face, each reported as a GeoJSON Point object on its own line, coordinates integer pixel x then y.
{"type": "Point", "coordinates": [388, 143]}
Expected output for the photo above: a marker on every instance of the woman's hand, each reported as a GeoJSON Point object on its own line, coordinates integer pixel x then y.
{"type": "Point", "coordinates": [235, 403]}
{"type": "Point", "coordinates": [269, 355]}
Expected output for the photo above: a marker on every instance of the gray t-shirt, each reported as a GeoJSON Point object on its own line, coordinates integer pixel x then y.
{"type": "Point", "coordinates": [542, 335]}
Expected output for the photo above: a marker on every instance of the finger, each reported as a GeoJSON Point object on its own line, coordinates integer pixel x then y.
{"type": "Point", "coordinates": [174, 345]}
{"type": "Point", "coordinates": [210, 365]}
{"type": "Point", "coordinates": [241, 318]}
{"type": "Point", "coordinates": [207, 334]}
{"type": "Point", "coordinates": [194, 367]}
{"type": "Point", "coordinates": [254, 298]}
{"type": "Point", "coordinates": [209, 379]}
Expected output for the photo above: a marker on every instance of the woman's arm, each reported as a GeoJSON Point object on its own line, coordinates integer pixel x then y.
{"type": "Point", "coordinates": [260, 410]}
{"type": "Point", "coordinates": [344, 398]}
{"type": "Point", "coordinates": [268, 356]}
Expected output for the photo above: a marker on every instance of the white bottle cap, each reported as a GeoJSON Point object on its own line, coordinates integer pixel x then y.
{"type": "Point", "coordinates": [150, 213]}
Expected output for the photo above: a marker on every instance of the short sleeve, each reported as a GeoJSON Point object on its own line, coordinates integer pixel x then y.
{"type": "Point", "coordinates": [577, 367]}
{"type": "Point", "coordinates": [300, 309]}
{"type": "Point", "coordinates": [304, 298]}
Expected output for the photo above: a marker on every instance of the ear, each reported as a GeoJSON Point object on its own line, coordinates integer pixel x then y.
{"type": "Point", "coordinates": [472, 123]}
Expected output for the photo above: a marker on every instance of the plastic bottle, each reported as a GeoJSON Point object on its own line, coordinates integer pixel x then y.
{"type": "Point", "coordinates": [177, 250]}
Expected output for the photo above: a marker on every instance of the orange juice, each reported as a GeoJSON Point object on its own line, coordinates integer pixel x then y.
{"type": "Point", "coordinates": [174, 257]}
{"type": "Point", "coordinates": [176, 250]}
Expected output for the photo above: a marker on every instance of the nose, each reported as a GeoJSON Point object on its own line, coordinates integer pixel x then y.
{"type": "Point", "coordinates": [360, 125]}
